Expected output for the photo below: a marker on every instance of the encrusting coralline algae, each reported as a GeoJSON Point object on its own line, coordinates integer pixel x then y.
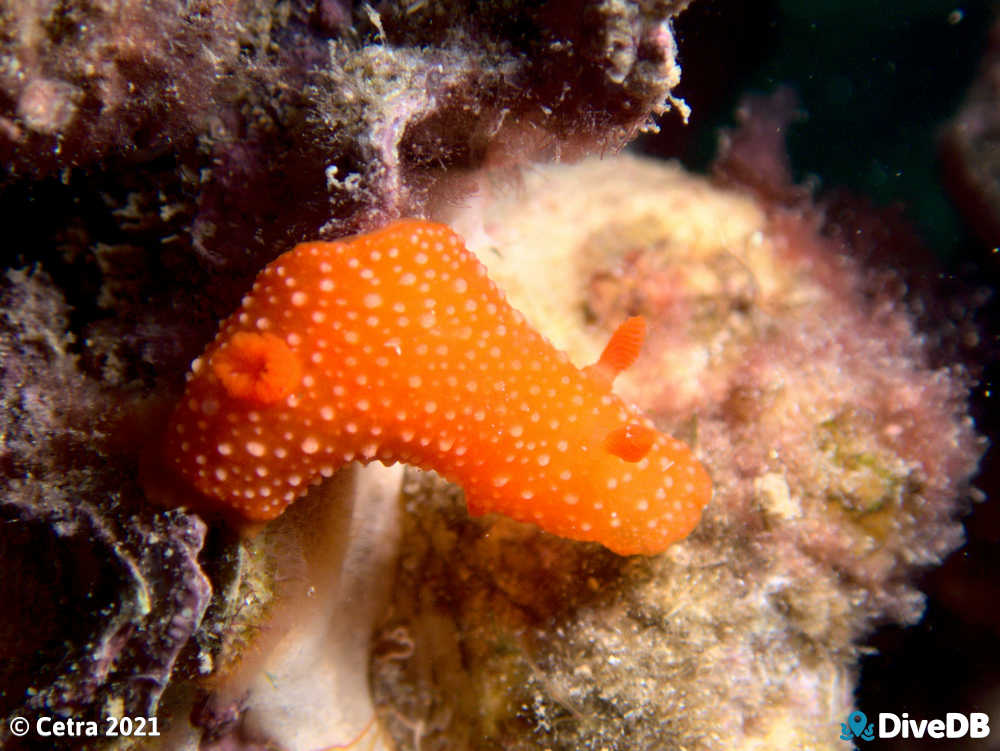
{"type": "Point", "coordinates": [839, 460]}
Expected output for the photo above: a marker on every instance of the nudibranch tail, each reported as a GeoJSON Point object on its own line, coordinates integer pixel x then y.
{"type": "Point", "coordinates": [396, 346]}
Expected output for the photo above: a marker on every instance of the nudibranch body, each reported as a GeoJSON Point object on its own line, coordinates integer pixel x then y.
{"type": "Point", "coordinates": [396, 347]}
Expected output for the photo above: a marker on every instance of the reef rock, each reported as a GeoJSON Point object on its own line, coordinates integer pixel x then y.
{"type": "Point", "coordinates": [840, 460]}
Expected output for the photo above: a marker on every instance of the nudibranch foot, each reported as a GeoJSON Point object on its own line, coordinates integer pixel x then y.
{"type": "Point", "coordinates": [396, 346]}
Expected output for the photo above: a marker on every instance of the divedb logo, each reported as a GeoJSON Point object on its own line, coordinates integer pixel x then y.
{"type": "Point", "coordinates": [857, 726]}
{"type": "Point", "coordinates": [954, 725]}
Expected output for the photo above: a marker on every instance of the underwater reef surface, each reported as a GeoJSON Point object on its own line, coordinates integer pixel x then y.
{"type": "Point", "coordinates": [155, 156]}
{"type": "Point", "coordinates": [158, 154]}
{"type": "Point", "coordinates": [840, 459]}
{"type": "Point", "coordinates": [840, 455]}
{"type": "Point", "coordinates": [255, 121]}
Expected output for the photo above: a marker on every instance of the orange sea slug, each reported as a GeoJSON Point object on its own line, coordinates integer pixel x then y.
{"type": "Point", "coordinates": [395, 346]}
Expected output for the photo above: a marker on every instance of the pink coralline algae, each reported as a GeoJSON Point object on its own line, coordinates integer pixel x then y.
{"type": "Point", "coordinates": [840, 457]}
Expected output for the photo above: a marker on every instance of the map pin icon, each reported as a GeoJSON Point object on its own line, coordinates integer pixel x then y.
{"type": "Point", "coordinates": [857, 721]}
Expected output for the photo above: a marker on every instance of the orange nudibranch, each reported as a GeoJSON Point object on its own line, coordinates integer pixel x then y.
{"type": "Point", "coordinates": [395, 346]}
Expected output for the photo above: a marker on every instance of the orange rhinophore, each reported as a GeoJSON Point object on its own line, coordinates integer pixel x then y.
{"type": "Point", "coordinates": [396, 346]}
{"type": "Point", "coordinates": [621, 351]}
